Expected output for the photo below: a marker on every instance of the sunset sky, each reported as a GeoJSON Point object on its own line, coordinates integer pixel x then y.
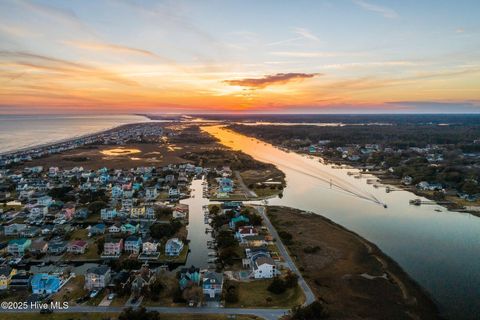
{"type": "Point", "coordinates": [239, 56]}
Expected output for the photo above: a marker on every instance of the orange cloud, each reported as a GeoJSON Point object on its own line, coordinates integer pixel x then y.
{"type": "Point", "coordinates": [279, 78]}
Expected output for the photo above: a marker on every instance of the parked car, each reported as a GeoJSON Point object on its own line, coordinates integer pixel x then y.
{"type": "Point", "coordinates": [111, 296]}
{"type": "Point", "coordinates": [93, 293]}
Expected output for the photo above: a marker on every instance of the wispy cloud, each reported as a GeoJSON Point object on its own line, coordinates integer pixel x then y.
{"type": "Point", "coordinates": [384, 11]}
{"type": "Point", "coordinates": [265, 81]}
{"type": "Point", "coordinates": [317, 54]}
{"type": "Point", "coordinates": [98, 46]}
{"type": "Point", "coordinates": [27, 61]}
{"type": "Point", "coordinates": [305, 33]}
{"type": "Point", "coordinates": [301, 34]}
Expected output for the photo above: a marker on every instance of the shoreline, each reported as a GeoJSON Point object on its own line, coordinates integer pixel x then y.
{"type": "Point", "coordinates": [71, 139]}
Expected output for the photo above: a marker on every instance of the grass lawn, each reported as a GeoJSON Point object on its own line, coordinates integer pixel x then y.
{"type": "Point", "coordinates": [91, 253]}
{"type": "Point", "coordinates": [72, 290]}
{"type": "Point", "coordinates": [102, 316]}
{"type": "Point", "coordinates": [253, 294]}
{"type": "Point", "coordinates": [182, 257]}
{"type": "Point", "coordinates": [80, 234]}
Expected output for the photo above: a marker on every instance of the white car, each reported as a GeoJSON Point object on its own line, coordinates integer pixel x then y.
{"type": "Point", "coordinates": [93, 293]}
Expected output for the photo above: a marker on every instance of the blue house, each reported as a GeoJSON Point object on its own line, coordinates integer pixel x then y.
{"type": "Point", "coordinates": [43, 283]}
{"type": "Point", "coordinates": [226, 185]}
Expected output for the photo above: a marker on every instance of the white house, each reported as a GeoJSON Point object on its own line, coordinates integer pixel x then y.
{"type": "Point", "coordinates": [263, 267]}
{"type": "Point", "coordinates": [173, 247]}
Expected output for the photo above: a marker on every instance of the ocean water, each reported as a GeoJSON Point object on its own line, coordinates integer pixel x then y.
{"type": "Point", "coordinates": [22, 131]}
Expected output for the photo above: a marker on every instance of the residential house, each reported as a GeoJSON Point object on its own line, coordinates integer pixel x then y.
{"type": "Point", "coordinates": [189, 277]}
{"type": "Point", "coordinates": [18, 247]}
{"type": "Point", "coordinates": [113, 247]}
{"type": "Point", "coordinates": [14, 229]}
{"type": "Point", "coordinates": [43, 283]}
{"type": "Point", "coordinates": [263, 267]}
{"type": "Point", "coordinates": [108, 213]}
{"type": "Point", "coordinates": [6, 274]}
{"type": "Point", "coordinates": [97, 277]}
{"type": "Point", "coordinates": [137, 212]}
{"type": "Point", "coordinates": [173, 247]}
{"type": "Point", "coordinates": [57, 247]}
{"type": "Point", "coordinates": [241, 218]}
{"type": "Point", "coordinates": [129, 228]}
{"type": "Point", "coordinates": [245, 231]}
{"type": "Point", "coordinates": [225, 185]}
{"type": "Point", "coordinates": [180, 211]}
{"type": "Point", "coordinates": [133, 244]}
{"type": "Point", "coordinates": [77, 246]}
{"type": "Point", "coordinates": [151, 193]}
{"type": "Point", "coordinates": [212, 285]}
{"type": "Point", "coordinates": [96, 229]}
{"type": "Point", "coordinates": [44, 201]}
{"type": "Point", "coordinates": [19, 281]}
{"type": "Point", "coordinates": [114, 228]}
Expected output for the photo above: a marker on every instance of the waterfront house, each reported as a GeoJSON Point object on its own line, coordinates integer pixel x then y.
{"type": "Point", "coordinates": [18, 247]}
{"type": "Point", "coordinates": [150, 246]}
{"type": "Point", "coordinates": [212, 285]}
{"type": "Point", "coordinates": [6, 274]}
{"type": "Point", "coordinates": [245, 231]}
{"type": "Point", "coordinates": [189, 277]}
{"type": "Point", "coordinates": [241, 218]}
{"type": "Point", "coordinates": [77, 246]}
{"type": "Point", "coordinates": [133, 244]}
{"type": "Point", "coordinates": [173, 247]}
{"type": "Point", "coordinates": [97, 277]}
{"type": "Point", "coordinates": [43, 283]}
{"type": "Point", "coordinates": [112, 247]}
{"type": "Point", "coordinates": [180, 211]}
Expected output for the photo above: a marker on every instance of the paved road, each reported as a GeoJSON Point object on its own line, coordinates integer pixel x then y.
{"type": "Point", "coordinates": [269, 314]}
{"type": "Point", "coordinates": [309, 296]}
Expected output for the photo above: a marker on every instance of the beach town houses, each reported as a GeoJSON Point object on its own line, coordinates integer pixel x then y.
{"type": "Point", "coordinates": [97, 277]}
{"type": "Point", "coordinates": [212, 285]}
{"type": "Point", "coordinates": [133, 244]}
{"type": "Point", "coordinates": [43, 283]}
{"type": "Point", "coordinates": [77, 246]}
{"type": "Point", "coordinates": [6, 274]}
{"type": "Point", "coordinates": [112, 247]}
{"type": "Point", "coordinates": [115, 228]}
{"type": "Point", "coordinates": [173, 247]}
{"type": "Point", "coordinates": [18, 247]}
{"type": "Point", "coordinates": [108, 213]}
